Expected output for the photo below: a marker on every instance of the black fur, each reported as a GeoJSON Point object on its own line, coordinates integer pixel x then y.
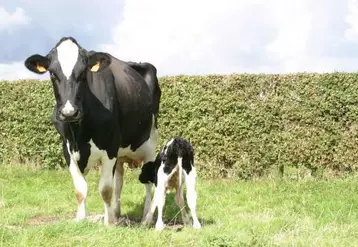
{"type": "Point", "coordinates": [115, 105]}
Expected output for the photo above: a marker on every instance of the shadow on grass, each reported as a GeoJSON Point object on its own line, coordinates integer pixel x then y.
{"type": "Point", "coordinates": [171, 213]}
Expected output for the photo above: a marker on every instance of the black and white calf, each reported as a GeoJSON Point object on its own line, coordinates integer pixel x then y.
{"type": "Point", "coordinates": [173, 166]}
{"type": "Point", "coordinates": [106, 110]}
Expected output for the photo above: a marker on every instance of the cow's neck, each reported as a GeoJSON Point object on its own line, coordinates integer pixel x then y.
{"type": "Point", "coordinates": [73, 133]}
{"type": "Point", "coordinates": [92, 107]}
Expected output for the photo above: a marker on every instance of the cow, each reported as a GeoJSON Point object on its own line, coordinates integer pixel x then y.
{"type": "Point", "coordinates": [174, 162]}
{"type": "Point", "coordinates": [106, 111]}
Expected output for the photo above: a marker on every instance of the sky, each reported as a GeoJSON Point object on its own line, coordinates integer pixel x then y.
{"type": "Point", "coordinates": [188, 36]}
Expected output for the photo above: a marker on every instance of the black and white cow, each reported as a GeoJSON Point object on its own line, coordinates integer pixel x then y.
{"type": "Point", "coordinates": [174, 162]}
{"type": "Point", "coordinates": [106, 110]}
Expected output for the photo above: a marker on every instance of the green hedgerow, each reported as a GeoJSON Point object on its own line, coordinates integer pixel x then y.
{"type": "Point", "coordinates": [240, 125]}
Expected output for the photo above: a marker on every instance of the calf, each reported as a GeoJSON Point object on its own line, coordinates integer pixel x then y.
{"type": "Point", "coordinates": [175, 160]}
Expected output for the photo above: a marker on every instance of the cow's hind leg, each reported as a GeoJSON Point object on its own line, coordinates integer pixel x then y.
{"type": "Point", "coordinates": [118, 184]}
{"type": "Point", "coordinates": [148, 199]}
{"type": "Point", "coordinates": [106, 189]}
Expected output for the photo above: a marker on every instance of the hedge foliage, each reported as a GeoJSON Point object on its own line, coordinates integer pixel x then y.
{"type": "Point", "coordinates": [241, 125]}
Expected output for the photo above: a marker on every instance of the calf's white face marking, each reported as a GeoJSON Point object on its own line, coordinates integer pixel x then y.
{"type": "Point", "coordinates": [67, 55]}
{"type": "Point", "coordinates": [167, 145]}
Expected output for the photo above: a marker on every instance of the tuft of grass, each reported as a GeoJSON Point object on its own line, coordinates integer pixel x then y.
{"type": "Point", "coordinates": [37, 209]}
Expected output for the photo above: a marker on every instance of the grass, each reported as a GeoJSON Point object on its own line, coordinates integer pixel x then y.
{"type": "Point", "coordinates": [233, 213]}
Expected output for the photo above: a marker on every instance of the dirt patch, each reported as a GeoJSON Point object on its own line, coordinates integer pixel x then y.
{"type": "Point", "coordinates": [10, 227]}
{"type": "Point", "coordinates": [129, 221]}
{"type": "Point", "coordinates": [38, 220]}
{"type": "Point", "coordinates": [124, 221]}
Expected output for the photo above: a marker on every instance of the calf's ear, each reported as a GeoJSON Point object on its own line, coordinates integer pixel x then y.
{"type": "Point", "coordinates": [98, 61]}
{"type": "Point", "coordinates": [37, 64]}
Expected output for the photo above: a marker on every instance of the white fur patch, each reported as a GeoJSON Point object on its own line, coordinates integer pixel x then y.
{"type": "Point", "coordinates": [67, 55]}
{"type": "Point", "coordinates": [78, 181]}
{"type": "Point", "coordinates": [74, 155]}
{"type": "Point", "coordinates": [95, 155]}
{"type": "Point", "coordinates": [146, 151]}
{"type": "Point", "coordinates": [168, 144]}
{"type": "Point", "coordinates": [68, 108]}
{"type": "Point", "coordinates": [191, 195]}
{"type": "Point", "coordinates": [106, 181]}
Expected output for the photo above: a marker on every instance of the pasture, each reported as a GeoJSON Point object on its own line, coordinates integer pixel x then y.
{"type": "Point", "coordinates": [38, 206]}
{"type": "Point", "coordinates": [243, 128]}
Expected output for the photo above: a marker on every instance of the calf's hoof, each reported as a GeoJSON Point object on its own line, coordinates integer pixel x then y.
{"type": "Point", "coordinates": [196, 225]}
{"type": "Point", "coordinates": [159, 226]}
{"type": "Point", "coordinates": [79, 217]}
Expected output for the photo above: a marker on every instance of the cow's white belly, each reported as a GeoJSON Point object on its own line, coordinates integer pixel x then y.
{"type": "Point", "coordinates": [146, 152]}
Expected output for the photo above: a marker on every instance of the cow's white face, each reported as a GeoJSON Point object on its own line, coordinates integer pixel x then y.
{"type": "Point", "coordinates": [69, 65]}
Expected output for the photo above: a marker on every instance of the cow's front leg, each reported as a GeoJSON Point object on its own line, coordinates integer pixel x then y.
{"type": "Point", "coordinates": [106, 189]}
{"type": "Point", "coordinates": [80, 189]}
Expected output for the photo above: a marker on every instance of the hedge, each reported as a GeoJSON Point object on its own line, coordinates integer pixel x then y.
{"type": "Point", "coordinates": [241, 125]}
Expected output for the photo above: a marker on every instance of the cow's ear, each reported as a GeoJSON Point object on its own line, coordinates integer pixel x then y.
{"type": "Point", "coordinates": [37, 64]}
{"type": "Point", "coordinates": [98, 61]}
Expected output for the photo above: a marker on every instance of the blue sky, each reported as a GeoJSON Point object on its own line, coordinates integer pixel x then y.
{"type": "Point", "coordinates": [188, 36]}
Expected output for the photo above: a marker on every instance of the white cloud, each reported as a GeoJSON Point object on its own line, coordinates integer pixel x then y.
{"type": "Point", "coordinates": [188, 36]}
{"type": "Point", "coordinates": [352, 19]}
{"type": "Point", "coordinates": [198, 37]}
{"type": "Point", "coordinates": [204, 36]}
{"type": "Point", "coordinates": [18, 71]}
{"type": "Point", "coordinates": [8, 20]}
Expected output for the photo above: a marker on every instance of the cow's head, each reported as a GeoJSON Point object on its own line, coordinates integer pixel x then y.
{"type": "Point", "coordinates": [69, 65]}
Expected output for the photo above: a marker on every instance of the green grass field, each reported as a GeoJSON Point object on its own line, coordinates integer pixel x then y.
{"type": "Point", "coordinates": [37, 208]}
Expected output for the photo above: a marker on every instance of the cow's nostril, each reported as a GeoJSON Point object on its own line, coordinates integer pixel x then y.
{"type": "Point", "coordinates": [75, 114]}
{"type": "Point", "coordinates": [69, 115]}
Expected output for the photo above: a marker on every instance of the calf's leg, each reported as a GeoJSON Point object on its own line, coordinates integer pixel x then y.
{"type": "Point", "coordinates": [191, 196]}
{"type": "Point", "coordinates": [179, 199]}
{"type": "Point", "coordinates": [158, 200]}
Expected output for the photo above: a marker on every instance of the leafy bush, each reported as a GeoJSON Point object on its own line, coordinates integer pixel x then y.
{"type": "Point", "coordinates": [241, 125]}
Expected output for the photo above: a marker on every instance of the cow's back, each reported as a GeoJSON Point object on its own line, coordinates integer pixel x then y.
{"type": "Point", "coordinates": [149, 73]}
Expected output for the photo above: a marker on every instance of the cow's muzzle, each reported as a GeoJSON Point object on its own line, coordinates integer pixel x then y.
{"type": "Point", "coordinates": [70, 116]}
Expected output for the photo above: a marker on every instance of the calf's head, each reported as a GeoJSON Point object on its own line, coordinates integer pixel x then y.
{"type": "Point", "coordinates": [69, 65]}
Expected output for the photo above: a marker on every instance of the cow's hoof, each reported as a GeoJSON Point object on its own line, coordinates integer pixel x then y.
{"type": "Point", "coordinates": [145, 223]}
